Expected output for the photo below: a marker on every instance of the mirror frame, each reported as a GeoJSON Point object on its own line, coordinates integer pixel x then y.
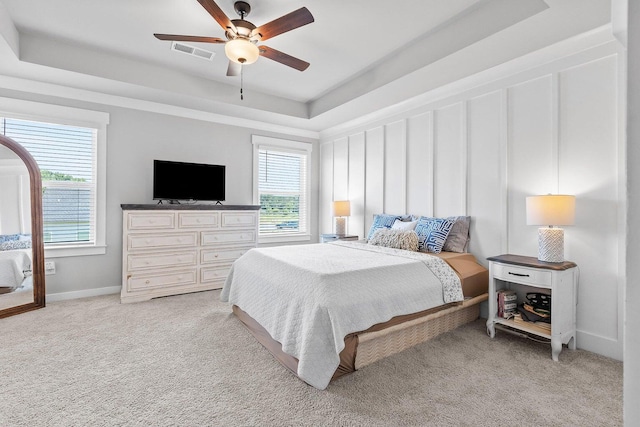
{"type": "Point", "coordinates": [37, 245]}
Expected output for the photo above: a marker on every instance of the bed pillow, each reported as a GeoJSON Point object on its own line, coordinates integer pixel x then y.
{"type": "Point", "coordinates": [394, 238]}
{"type": "Point", "coordinates": [15, 244]}
{"type": "Point", "coordinates": [404, 225]}
{"type": "Point", "coordinates": [458, 238]}
{"type": "Point", "coordinates": [382, 221]}
{"type": "Point", "coordinates": [8, 237]}
{"type": "Point", "coordinates": [432, 233]}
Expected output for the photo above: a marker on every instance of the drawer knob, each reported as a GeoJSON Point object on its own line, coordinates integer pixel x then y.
{"type": "Point", "coordinates": [148, 241]}
{"type": "Point", "coordinates": [198, 220]}
{"type": "Point", "coordinates": [146, 282]}
{"type": "Point", "coordinates": [215, 256]}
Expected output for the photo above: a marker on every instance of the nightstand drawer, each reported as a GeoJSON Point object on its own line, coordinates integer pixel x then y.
{"type": "Point", "coordinates": [149, 261]}
{"type": "Point", "coordinates": [517, 274]}
{"type": "Point", "coordinates": [161, 241]}
{"type": "Point", "coordinates": [151, 221]}
{"type": "Point", "coordinates": [236, 219]}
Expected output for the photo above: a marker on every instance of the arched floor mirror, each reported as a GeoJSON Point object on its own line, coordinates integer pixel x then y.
{"type": "Point", "coordinates": [22, 286]}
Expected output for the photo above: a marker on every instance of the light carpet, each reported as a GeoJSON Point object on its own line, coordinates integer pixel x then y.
{"type": "Point", "coordinates": [186, 361]}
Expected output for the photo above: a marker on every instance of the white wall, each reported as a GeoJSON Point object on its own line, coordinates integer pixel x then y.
{"type": "Point", "coordinates": [632, 314]}
{"type": "Point", "coordinates": [134, 139]}
{"type": "Point", "coordinates": [550, 129]}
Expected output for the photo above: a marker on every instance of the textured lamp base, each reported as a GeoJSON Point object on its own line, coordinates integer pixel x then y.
{"type": "Point", "coordinates": [551, 244]}
{"type": "Point", "coordinates": [341, 225]}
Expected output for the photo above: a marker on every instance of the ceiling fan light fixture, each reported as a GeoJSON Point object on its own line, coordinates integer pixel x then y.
{"type": "Point", "coordinates": [241, 51]}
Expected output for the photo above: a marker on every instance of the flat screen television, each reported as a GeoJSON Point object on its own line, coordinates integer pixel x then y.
{"type": "Point", "coordinates": [188, 181]}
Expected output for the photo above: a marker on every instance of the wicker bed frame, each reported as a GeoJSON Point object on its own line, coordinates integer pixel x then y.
{"type": "Point", "coordinates": [400, 333]}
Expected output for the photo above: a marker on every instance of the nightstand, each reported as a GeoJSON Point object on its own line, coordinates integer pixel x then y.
{"type": "Point", "coordinates": [325, 238]}
{"type": "Point", "coordinates": [526, 274]}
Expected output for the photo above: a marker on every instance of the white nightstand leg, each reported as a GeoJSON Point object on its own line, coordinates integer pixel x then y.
{"type": "Point", "coordinates": [556, 347]}
{"type": "Point", "coordinates": [572, 343]}
{"type": "Point", "coordinates": [491, 328]}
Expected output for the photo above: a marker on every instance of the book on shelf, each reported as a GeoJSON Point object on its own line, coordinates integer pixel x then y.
{"type": "Point", "coordinates": [541, 327]}
{"type": "Point", "coordinates": [507, 303]}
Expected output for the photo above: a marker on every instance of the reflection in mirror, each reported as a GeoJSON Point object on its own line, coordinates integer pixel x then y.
{"type": "Point", "coordinates": [21, 279]}
{"type": "Point", "coordinates": [16, 278]}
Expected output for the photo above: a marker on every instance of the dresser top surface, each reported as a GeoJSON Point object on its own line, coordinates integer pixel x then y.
{"type": "Point", "coordinates": [194, 207]}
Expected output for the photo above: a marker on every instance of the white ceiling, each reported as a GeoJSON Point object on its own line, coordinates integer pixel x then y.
{"type": "Point", "coordinates": [356, 48]}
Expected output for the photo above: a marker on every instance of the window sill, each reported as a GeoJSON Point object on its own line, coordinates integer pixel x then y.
{"type": "Point", "coordinates": [69, 251]}
{"type": "Point", "coordinates": [283, 238]}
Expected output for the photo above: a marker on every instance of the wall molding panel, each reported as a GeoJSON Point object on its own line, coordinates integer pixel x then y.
{"type": "Point", "coordinates": [551, 129]}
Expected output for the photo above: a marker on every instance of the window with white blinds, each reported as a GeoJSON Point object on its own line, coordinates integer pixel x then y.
{"type": "Point", "coordinates": [66, 156]}
{"type": "Point", "coordinates": [282, 183]}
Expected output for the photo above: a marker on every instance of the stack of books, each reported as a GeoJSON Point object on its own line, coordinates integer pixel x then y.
{"type": "Point", "coordinates": [507, 303]}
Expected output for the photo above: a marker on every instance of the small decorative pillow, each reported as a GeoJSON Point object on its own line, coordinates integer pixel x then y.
{"type": "Point", "coordinates": [404, 225]}
{"type": "Point", "coordinates": [458, 237]}
{"type": "Point", "coordinates": [432, 233]}
{"type": "Point", "coordinates": [15, 244]}
{"type": "Point", "coordinates": [8, 237]}
{"type": "Point", "coordinates": [398, 239]}
{"type": "Point", "coordinates": [381, 221]}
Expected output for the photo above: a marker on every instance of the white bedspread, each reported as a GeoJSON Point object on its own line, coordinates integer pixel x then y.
{"type": "Point", "coordinates": [13, 265]}
{"type": "Point", "coordinates": [310, 297]}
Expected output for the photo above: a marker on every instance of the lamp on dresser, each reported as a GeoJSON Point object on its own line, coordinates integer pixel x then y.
{"type": "Point", "coordinates": [341, 209]}
{"type": "Point", "coordinates": [551, 210]}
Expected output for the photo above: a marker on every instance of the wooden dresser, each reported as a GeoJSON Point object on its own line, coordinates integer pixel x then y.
{"type": "Point", "coordinates": [175, 249]}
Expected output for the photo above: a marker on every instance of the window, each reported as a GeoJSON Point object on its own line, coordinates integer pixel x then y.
{"type": "Point", "coordinates": [281, 188]}
{"type": "Point", "coordinates": [67, 152]}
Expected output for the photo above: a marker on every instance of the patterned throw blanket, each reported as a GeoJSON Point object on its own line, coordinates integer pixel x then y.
{"type": "Point", "coordinates": [310, 297]}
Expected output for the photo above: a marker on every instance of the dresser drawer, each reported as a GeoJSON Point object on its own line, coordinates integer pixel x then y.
{"type": "Point", "coordinates": [198, 220]}
{"type": "Point", "coordinates": [136, 282]}
{"type": "Point", "coordinates": [160, 241]}
{"type": "Point", "coordinates": [151, 221]}
{"type": "Point", "coordinates": [147, 261]}
{"type": "Point", "coordinates": [238, 219]}
{"type": "Point", "coordinates": [517, 274]}
{"type": "Point", "coordinates": [214, 274]}
{"type": "Point", "coordinates": [227, 256]}
{"type": "Point", "coordinates": [210, 238]}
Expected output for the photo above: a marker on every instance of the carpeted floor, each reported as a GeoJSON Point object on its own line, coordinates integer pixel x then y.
{"type": "Point", "coordinates": [186, 361]}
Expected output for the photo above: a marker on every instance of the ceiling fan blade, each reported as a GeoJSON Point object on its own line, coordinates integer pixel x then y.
{"type": "Point", "coordinates": [285, 23]}
{"type": "Point", "coordinates": [180, 38]}
{"type": "Point", "coordinates": [233, 69]}
{"type": "Point", "coordinates": [217, 14]}
{"type": "Point", "coordinates": [283, 58]}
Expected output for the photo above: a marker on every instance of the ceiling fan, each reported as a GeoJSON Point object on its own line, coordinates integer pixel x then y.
{"type": "Point", "coordinates": [242, 37]}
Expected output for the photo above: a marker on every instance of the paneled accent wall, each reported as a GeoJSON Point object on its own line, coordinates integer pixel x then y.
{"type": "Point", "coordinates": [554, 129]}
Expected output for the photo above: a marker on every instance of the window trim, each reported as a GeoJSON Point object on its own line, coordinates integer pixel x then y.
{"type": "Point", "coordinates": [98, 120]}
{"type": "Point", "coordinates": [284, 145]}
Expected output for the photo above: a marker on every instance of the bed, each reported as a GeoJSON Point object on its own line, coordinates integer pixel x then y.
{"type": "Point", "coordinates": [15, 269]}
{"type": "Point", "coordinates": [325, 310]}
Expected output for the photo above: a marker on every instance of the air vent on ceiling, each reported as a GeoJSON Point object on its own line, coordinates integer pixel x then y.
{"type": "Point", "coordinates": [194, 51]}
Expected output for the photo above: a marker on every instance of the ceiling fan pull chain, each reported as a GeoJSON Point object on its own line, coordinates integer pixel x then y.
{"type": "Point", "coordinates": [241, 82]}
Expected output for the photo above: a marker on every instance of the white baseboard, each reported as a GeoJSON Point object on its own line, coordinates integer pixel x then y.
{"type": "Point", "coordinates": [62, 296]}
{"type": "Point", "coordinates": [601, 345]}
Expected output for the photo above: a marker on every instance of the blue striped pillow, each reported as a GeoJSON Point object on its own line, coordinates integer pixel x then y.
{"type": "Point", "coordinates": [432, 233]}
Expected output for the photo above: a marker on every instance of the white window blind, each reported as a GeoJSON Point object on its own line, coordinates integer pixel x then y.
{"type": "Point", "coordinates": [282, 188]}
{"type": "Point", "coordinates": [66, 156]}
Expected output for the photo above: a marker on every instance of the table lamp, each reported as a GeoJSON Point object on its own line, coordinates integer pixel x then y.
{"type": "Point", "coordinates": [341, 209]}
{"type": "Point", "coordinates": [551, 210]}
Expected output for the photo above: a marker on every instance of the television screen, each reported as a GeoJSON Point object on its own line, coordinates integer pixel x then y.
{"type": "Point", "coordinates": [188, 181]}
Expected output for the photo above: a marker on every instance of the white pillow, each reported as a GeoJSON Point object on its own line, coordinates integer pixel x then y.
{"type": "Point", "coordinates": [404, 225]}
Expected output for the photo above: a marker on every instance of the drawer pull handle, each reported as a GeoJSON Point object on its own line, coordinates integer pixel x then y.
{"type": "Point", "coordinates": [519, 274]}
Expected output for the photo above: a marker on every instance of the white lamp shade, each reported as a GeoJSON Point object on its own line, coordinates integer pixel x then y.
{"type": "Point", "coordinates": [341, 208]}
{"type": "Point", "coordinates": [241, 51]}
{"type": "Point", "coordinates": [551, 210]}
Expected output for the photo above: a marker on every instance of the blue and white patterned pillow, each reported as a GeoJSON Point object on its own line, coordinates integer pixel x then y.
{"type": "Point", "coordinates": [8, 237]}
{"type": "Point", "coordinates": [382, 221]}
{"type": "Point", "coordinates": [10, 245]}
{"type": "Point", "coordinates": [432, 233]}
